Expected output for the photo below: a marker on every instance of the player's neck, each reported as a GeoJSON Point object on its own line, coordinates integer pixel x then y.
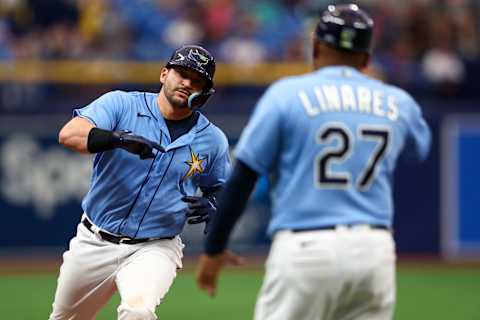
{"type": "Point", "coordinates": [170, 112]}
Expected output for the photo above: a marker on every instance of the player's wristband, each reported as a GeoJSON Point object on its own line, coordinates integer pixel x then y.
{"type": "Point", "coordinates": [100, 140]}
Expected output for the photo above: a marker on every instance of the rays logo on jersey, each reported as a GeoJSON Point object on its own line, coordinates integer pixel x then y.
{"type": "Point", "coordinates": [196, 164]}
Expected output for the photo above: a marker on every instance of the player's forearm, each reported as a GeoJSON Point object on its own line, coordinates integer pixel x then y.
{"type": "Point", "coordinates": [74, 135]}
{"type": "Point", "coordinates": [231, 204]}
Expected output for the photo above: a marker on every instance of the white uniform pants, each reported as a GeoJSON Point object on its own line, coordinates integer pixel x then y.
{"type": "Point", "coordinates": [93, 269]}
{"type": "Point", "coordinates": [347, 273]}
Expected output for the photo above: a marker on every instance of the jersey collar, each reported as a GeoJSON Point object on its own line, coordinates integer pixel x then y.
{"type": "Point", "coordinates": [339, 70]}
{"type": "Point", "coordinates": [186, 139]}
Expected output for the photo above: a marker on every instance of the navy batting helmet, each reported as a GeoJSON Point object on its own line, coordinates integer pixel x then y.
{"type": "Point", "coordinates": [196, 58]}
{"type": "Point", "coordinates": [199, 59]}
{"type": "Point", "coordinates": [346, 27]}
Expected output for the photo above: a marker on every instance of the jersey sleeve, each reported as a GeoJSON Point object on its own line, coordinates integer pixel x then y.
{"type": "Point", "coordinates": [105, 111]}
{"type": "Point", "coordinates": [419, 135]}
{"type": "Point", "coordinates": [219, 170]}
{"type": "Point", "coordinates": [259, 142]}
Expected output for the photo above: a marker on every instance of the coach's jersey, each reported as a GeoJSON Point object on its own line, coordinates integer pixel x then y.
{"type": "Point", "coordinates": [329, 141]}
{"type": "Point", "coordinates": [141, 198]}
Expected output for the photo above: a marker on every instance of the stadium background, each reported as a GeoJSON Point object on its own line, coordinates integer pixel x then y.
{"type": "Point", "coordinates": [59, 54]}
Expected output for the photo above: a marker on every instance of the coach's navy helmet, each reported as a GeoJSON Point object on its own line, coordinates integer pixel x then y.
{"type": "Point", "coordinates": [196, 58]}
{"type": "Point", "coordinates": [346, 27]}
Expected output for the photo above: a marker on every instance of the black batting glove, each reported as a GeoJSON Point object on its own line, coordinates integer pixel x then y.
{"type": "Point", "coordinates": [200, 209]}
{"type": "Point", "coordinates": [136, 144]}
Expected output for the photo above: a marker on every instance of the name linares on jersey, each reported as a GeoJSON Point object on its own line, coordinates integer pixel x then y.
{"type": "Point", "coordinates": [332, 98]}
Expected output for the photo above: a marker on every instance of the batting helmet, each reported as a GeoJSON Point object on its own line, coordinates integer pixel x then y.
{"type": "Point", "coordinates": [199, 59]}
{"type": "Point", "coordinates": [346, 27]}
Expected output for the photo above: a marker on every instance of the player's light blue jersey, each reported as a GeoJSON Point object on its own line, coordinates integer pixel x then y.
{"type": "Point", "coordinates": [329, 141]}
{"type": "Point", "coordinates": [141, 198]}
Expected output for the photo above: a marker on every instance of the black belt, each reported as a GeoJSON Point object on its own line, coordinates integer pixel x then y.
{"type": "Point", "coordinates": [119, 239]}
{"type": "Point", "coordinates": [335, 226]}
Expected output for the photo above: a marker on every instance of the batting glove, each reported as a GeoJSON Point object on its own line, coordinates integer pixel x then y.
{"type": "Point", "coordinates": [136, 144]}
{"type": "Point", "coordinates": [200, 209]}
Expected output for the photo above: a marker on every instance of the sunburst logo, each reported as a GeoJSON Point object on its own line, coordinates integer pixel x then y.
{"type": "Point", "coordinates": [195, 165]}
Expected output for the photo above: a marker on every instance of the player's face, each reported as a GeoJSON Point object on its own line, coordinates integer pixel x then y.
{"type": "Point", "coordinates": [179, 83]}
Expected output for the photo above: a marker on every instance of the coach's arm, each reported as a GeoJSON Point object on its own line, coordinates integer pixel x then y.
{"type": "Point", "coordinates": [231, 204]}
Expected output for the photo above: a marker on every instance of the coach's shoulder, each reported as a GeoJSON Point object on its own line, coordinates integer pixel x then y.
{"type": "Point", "coordinates": [287, 82]}
{"type": "Point", "coordinates": [401, 94]}
{"type": "Point", "coordinates": [405, 102]}
{"type": "Point", "coordinates": [285, 85]}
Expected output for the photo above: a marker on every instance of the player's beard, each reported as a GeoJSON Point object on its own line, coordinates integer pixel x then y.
{"type": "Point", "coordinates": [173, 98]}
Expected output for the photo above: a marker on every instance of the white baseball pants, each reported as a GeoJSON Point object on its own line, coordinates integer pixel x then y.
{"type": "Point", "coordinates": [93, 269]}
{"type": "Point", "coordinates": [341, 274]}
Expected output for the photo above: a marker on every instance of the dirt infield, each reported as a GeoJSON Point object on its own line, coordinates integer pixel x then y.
{"type": "Point", "coordinates": [30, 264]}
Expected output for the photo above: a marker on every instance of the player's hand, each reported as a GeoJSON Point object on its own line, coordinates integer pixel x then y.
{"type": "Point", "coordinates": [209, 267]}
{"type": "Point", "coordinates": [136, 144]}
{"type": "Point", "coordinates": [200, 209]}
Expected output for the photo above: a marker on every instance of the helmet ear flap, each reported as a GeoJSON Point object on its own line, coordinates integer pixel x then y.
{"type": "Point", "coordinates": [198, 99]}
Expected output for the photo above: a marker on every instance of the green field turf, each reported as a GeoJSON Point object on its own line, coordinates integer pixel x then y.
{"type": "Point", "coordinates": [427, 293]}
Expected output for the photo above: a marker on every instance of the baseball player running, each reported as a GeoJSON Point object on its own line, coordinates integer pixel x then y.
{"type": "Point", "coordinates": [152, 153]}
{"type": "Point", "coordinates": [329, 141]}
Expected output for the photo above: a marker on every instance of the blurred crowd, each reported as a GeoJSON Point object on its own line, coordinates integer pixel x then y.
{"type": "Point", "coordinates": [417, 41]}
